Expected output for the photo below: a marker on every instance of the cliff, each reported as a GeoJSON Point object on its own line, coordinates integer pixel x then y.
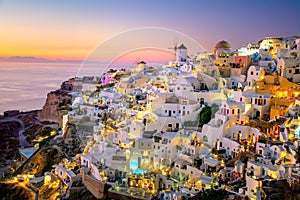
{"type": "Point", "coordinates": [56, 101]}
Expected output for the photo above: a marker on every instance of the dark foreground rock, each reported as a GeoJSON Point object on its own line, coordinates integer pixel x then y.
{"type": "Point", "coordinates": [10, 191]}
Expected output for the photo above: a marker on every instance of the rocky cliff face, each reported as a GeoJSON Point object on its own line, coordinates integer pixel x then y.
{"type": "Point", "coordinates": [56, 101]}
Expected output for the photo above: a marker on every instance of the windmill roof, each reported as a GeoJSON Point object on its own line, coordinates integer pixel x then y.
{"type": "Point", "coordinates": [182, 47]}
{"type": "Point", "coordinates": [142, 62]}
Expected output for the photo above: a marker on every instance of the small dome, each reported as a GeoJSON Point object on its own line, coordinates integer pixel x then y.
{"type": "Point", "coordinates": [223, 45]}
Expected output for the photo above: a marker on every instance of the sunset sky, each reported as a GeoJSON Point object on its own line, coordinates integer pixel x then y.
{"type": "Point", "coordinates": [72, 29]}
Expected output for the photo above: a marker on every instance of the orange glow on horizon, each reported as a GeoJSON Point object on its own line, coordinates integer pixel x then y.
{"type": "Point", "coordinates": [74, 54]}
{"type": "Point", "coordinates": [150, 55]}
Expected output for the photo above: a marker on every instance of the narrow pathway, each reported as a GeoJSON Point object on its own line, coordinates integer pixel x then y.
{"type": "Point", "coordinates": [22, 138]}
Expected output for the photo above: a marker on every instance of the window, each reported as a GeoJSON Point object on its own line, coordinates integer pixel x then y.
{"type": "Point", "coordinates": [232, 111]}
{"type": "Point", "coordinates": [145, 153]}
{"type": "Point", "coordinates": [241, 99]}
{"type": "Point", "coordinates": [173, 111]}
{"type": "Point", "coordinates": [251, 73]}
{"type": "Point", "coordinates": [183, 107]}
{"type": "Point", "coordinates": [179, 111]}
{"type": "Point", "coordinates": [166, 111]}
{"type": "Point", "coordinates": [205, 139]}
{"type": "Point", "coordinates": [238, 111]}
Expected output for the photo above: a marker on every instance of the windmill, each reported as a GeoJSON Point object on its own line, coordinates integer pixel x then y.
{"type": "Point", "coordinates": [175, 47]}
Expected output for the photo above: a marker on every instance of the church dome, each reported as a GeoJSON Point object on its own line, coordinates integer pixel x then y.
{"type": "Point", "coordinates": [222, 45]}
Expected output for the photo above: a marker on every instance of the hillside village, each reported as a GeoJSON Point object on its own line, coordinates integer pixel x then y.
{"type": "Point", "coordinates": [227, 120]}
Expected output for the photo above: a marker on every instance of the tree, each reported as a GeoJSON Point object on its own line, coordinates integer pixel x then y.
{"type": "Point", "coordinates": [205, 116]}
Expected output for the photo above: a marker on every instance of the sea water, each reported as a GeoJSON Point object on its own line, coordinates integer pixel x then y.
{"type": "Point", "coordinates": [24, 86]}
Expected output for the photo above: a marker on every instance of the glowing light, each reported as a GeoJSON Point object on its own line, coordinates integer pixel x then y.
{"type": "Point", "coordinates": [274, 175]}
{"type": "Point", "coordinates": [253, 139]}
{"type": "Point", "coordinates": [283, 154]}
{"type": "Point", "coordinates": [218, 145]}
{"type": "Point", "coordinates": [52, 133]}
